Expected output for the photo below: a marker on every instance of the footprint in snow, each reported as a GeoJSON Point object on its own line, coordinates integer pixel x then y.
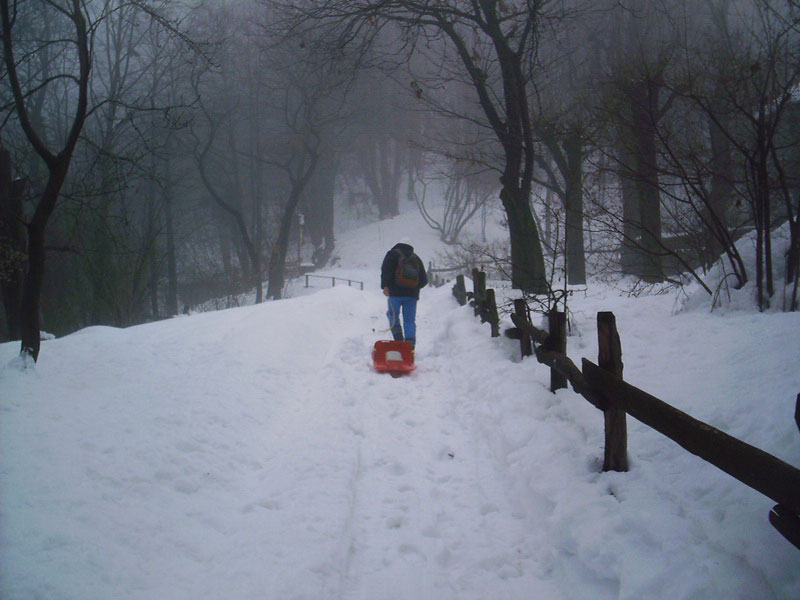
{"type": "Point", "coordinates": [488, 508]}
{"type": "Point", "coordinates": [398, 469]}
{"type": "Point", "coordinates": [446, 453]}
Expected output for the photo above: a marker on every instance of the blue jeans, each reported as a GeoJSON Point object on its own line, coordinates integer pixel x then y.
{"type": "Point", "coordinates": [408, 306]}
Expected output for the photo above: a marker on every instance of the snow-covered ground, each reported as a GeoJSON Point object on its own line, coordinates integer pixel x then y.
{"type": "Point", "coordinates": [252, 453]}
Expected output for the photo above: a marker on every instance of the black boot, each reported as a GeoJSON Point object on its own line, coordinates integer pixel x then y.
{"type": "Point", "coordinates": [413, 342]}
{"type": "Point", "coordinates": [397, 333]}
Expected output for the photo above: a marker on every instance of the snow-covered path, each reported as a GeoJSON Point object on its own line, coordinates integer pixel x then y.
{"type": "Point", "coordinates": [253, 454]}
{"type": "Point", "coordinates": [429, 517]}
{"type": "Point", "coordinates": [212, 443]}
{"type": "Point", "coordinates": [412, 504]}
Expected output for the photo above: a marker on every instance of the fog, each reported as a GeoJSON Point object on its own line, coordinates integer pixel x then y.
{"type": "Point", "coordinates": [159, 154]}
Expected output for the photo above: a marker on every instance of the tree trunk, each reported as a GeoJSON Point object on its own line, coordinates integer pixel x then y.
{"type": "Point", "coordinates": [527, 259]}
{"type": "Point", "coordinates": [153, 283]}
{"type": "Point", "coordinates": [382, 169]}
{"type": "Point", "coordinates": [224, 238]}
{"type": "Point", "coordinates": [57, 166]}
{"type": "Point", "coordinates": [30, 335]}
{"type": "Point", "coordinates": [12, 245]}
{"type": "Point", "coordinates": [318, 208]}
{"type": "Point", "coordinates": [767, 222]}
{"type": "Point", "coordinates": [759, 259]}
{"type": "Point", "coordinates": [278, 259]}
{"type": "Point", "coordinates": [172, 265]}
{"type": "Point", "coordinates": [548, 219]}
{"type": "Point", "coordinates": [637, 147]}
{"type": "Point", "coordinates": [760, 174]}
{"type": "Point", "coordinates": [721, 165]}
{"type": "Point", "coordinates": [257, 195]}
{"type": "Point", "coordinates": [645, 106]}
{"type": "Point", "coordinates": [793, 260]}
{"type": "Point", "coordinates": [576, 257]}
{"type": "Point", "coordinates": [240, 245]}
{"type": "Point", "coordinates": [257, 277]}
{"type": "Point", "coordinates": [247, 250]}
{"type": "Point", "coordinates": [30, 326]}
{"type": "Point", "coordinates": [509, 116]}
{"type": "Point", "coordinates": [630, 257]}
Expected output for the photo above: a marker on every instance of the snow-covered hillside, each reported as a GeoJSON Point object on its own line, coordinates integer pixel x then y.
{"type": "Point", "coordinates": [252, 453]}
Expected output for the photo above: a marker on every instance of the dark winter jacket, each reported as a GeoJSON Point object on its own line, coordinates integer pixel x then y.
{"type": "Point", "coordinates": [389, 267]}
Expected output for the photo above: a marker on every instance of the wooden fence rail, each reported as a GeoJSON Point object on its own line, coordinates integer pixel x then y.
{"type": "Point", "coordinates": [333, 280]}
{"type": "Point", "coordinates": [482, 300]}
{"type": "Point", "coordinates": [753, 467]}
{"type": "Point", "coordinates": [602, 385]}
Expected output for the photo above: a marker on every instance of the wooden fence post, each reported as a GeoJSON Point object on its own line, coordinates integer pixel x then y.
{"type": "Point", "coordinates": [525, 341]}
{"type": "Point", "coordinates": [557, 342]}
{"type": "Point", "coordinates": [797, 412]}
{"type": "Point", "coordinates": [434, 277]}
{"type": "Point", "coordinates": [786, 522]}
{"type": "Point", "coordinates": [609, 358]}
{"type": "Point", "coordinates": [479, 290]}
{"type": "Point", "coordinates": [460, 290]}
{"type": "Point", "coordinates": [753, 467]}
{"type": "Point", "coordinates": [491, 313]}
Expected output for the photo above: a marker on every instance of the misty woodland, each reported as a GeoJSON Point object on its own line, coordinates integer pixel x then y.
{"type": "Point", "coordinates": [157, 154]}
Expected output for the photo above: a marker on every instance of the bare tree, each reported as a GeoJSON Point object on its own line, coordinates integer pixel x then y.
{"type": "Point", "coordinates": [745, 91]}
{"type": "Point", "coordinates": [492, 43]}
{"type": "Point", "coordinates": [639, 56]}
{"type": "Point", "coordinates": [566, 86]}
{"type": "Point", "coordinates": [467, 190]}
{"type": "Point", "coordinates": [380, 154]}
{"type": "Point", "coordinates": [12, 243]}
{"type": "Point", "coordinates": [57, 160]}
{"type": "Point", "coordinates": [306, 100]}
{"type": "Point", "coordinates": [221, 147]}
{"type": "Point", "coordinates": [318, 207]}
{"type": "Point", "coordinates": [69, 64]}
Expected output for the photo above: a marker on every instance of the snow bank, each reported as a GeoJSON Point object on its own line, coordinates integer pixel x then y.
{"type": "Point", "coordinates": [252, 453]}
{"type": "Point", "coordinates": [720, 279]}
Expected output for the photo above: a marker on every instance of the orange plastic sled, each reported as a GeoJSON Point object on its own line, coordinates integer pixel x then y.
{"type": "Point", "coordinates": [389, 356]}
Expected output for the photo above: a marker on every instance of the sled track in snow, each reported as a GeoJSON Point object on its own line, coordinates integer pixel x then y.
{"type": "Point", "coordinates": [417, 475]}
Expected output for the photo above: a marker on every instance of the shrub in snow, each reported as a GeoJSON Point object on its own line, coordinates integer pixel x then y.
{"type": "Point", "coordinates": [720, 279]}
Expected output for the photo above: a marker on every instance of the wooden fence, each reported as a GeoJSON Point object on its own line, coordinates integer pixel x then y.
{"type": "Point", "coordinates": [436, 276]}
{"type": "Point", "coordinates": [439, 276]}
{"type": "Point", "coordinates": [602, 385]}
{"type": "Point", "coordinates": [481, 299]}
{"type": "Point", "coordinates": [333, 280]}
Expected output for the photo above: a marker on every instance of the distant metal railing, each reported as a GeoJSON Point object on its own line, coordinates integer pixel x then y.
{"type": "Point", "coordinates": [350, 282]}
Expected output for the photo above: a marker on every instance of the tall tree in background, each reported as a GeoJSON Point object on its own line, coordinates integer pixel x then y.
{"type": "Point", "coordinates": [760, 87]}
{"type": "Point", "coordinates": [562, 118]}
{"type": "Point", "coordinates": [639, 54]}
{"type": "Point", "coordinates": [116, 237]}
{"type": "Point", "coordinates": [318, 207]}
{"type": "Point", "coordinates": [380, 153]}
{"type": "Point", "coordinates": [734, 142]}
{"type": "Point", "coordinates": [69, 63]}
{"type": "Point", "coordinates": [493, 44]}
{"type": "Point", "coordinates": [305, 100]}
{"type": "Point", "coordinates": [12, 243]}
{"type": "Point", "coordinates": [219, 150]}
{"type": "Point", "coordinates": [76, 49]}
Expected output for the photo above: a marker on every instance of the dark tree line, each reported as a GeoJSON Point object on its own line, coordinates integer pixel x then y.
{"type": "Point", "coordinates": [154, 156]}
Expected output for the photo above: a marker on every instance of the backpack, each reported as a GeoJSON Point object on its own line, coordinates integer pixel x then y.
{"type": "Point", "coordinates": [406, 274]}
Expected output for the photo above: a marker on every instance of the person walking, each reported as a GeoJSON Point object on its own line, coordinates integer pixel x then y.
{"type": "Point", "coordinates": [402, 277]}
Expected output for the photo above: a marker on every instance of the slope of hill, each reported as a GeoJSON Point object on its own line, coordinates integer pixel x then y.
{"type": "Point", "coordinates": [252, 453]}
